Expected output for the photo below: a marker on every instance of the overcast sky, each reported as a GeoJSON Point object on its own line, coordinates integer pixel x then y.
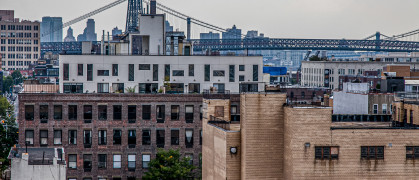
{"type": "Point", "coordinates": [350, 19]}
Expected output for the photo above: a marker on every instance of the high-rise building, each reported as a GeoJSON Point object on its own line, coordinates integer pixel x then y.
{"type": "Point", "coordinates": [19, 42]}
{"type": "Point", "coordinates": [69, 37]}
{"type": "Point", "coordinates": [209, 35]}
{"type": "Point", "coordinates": [88, 32]}
{"type": "Point", "coordinates": [51, 29]}
{"type": "Point", "coordinates": [116, 31]}
{"type": "Point", "coordinates": [232, 33]}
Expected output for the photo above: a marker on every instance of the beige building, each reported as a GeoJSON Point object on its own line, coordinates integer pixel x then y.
{"type": "Point", "coordinates": [279, 141]}
{"type": "Point", "coordinates": [19, 42]}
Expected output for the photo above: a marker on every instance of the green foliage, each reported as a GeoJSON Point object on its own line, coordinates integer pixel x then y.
{"type": "Point", "coordinates": [130, 89]}
{"type": "Point", "coordinates": [169, 165]}
{"type": "Point", "coordinates": [9, 140]}
{"type": "Point", "coordinates": [378, 86]}
{"type": "Point", "coordinates": [7, 83]}
{"type": "Point", "coordinates": [17, 77]}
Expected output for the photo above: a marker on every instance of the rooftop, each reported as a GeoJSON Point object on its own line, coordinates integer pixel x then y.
{"type": "Point", "coordinates": [38, 156]}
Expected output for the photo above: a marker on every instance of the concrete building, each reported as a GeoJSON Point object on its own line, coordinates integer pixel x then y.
{"type": "Point", "coordinates": [279, 141]}
{"type": "Point", "coordinates": [391, 57]}
{"type": "Point", "coordinates": [38, 163]}
{"type": "Point", "coordinates": [371, 77]}
{"type": "Point", "coordinates": [51, 29]}
{"type": "Point", "coordinates": [69, 37]}
{"type": "Point", "coordinates": [19, 42]}
{"type": "Point", "coordinates": [149, 74]}
{"type": "Point", "coordinates": [89, 33]}
{"type": "Point", "coordinates": [232, 33]}
{"type": "Point", "coordinates": [209, 35]}
{"type": "Point", "coordinates": [326, 73]}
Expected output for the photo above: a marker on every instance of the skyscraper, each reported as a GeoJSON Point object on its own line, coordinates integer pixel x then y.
{"type": "Point", "coordinates": [69, 37]}
{"type": "Point", "coordinates": [51, 29]}
{"type": "Point", "coordinates": [232, 33]}
{"type": "Point", "coordinates": [89, 32]}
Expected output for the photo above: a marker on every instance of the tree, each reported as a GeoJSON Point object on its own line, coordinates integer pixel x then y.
{"type": "Point", "coordinates": [7, 83]}
{"type": "Point", "coordinates": [8, 131]}
{"type": "Point", "coordinates": [17, 77]}
{"type": "Point", "coordinates": [169, 165]}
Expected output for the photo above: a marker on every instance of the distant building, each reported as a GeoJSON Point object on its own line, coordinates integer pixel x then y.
{"type": "Point", "coordinates": [209, 35]}
{"type": "Point", "coordinates": [7, 15]}
{"type": "Point", "coordinates": [168, 27]}
{"type": "Point", "coordinates": [38, 163]}
{"type": "Point", "coordinates": [232, 33]}
{"type": "Point", "coordinates": [89, 32]}
{"type": "Point", "coordinates": [51, 29]}
{"type": "Point", "coordinates": [19, 42]}
{"type": "Point", "coordinates": [116, 32]}
{"type": "Point", "coordinates": [69, 37]}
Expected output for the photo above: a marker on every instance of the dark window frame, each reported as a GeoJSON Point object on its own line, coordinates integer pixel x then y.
{"type": "Point", "coordinates": [117, 137]}
{"type": "Point", "coordinates": [325, 152]}
{"type": "Point", "coordinates": [102, 112]}
{"type": "Point", "coordinates": [142, 67]}
{"type": "Point", "coordinates": [372, 152]}
{"type": "Point", "coordinates": [146, 112]}
{"type": "Point", "coordinates": [117, 115]}
{"type": "Point", "coordinates": [58, 115]}
{"type": "Point", "coordinates": [79, 69]}
{"type": "Point", "coordinates": [146, 137]}
{"type": "Point", "coordinates": [29, 114]}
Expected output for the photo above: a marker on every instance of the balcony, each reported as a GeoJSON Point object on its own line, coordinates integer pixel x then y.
{"type": "Point", "coordinates": [216, 94]}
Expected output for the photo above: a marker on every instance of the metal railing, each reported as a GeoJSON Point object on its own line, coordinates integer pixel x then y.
{"type": "Point", "coordinates": [219, 122]}
{"type": "Point", "coordinates": [208, 94]}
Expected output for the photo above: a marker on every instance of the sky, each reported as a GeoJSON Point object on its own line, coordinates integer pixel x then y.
{"type": "Point", "coordinates": [334, 19]}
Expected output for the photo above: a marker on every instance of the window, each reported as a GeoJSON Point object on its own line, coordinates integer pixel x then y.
{"type": "Point", "coordinates": [117, 161]}
{"type": "Point", "coordinates": [66, 72]}
{"type": "Point", "coordinates": [72, 137]}
{"type": "Point", "coordinates": [131, 72]}
{"type": "Point", "coordinates": [117, 136]}
{"type": "Point", "coordinates": [241, 67]}
{"type": "Point", "coordinates": [207, 71]}
{"type": "Point", "coordinates": [220, 87]}
{"type": "Point", "coordinates": [175, 112]}
{"type": "Point", "coordinates": [375, 110]}
{"type": "Point", "coordinates": [43, 134]}
{"type": "Point", "coordinates": [255, 72]}
{"type": "Point", "coordinates": [132, 113]}
{"type": "Point", "coordinates": [29, 112]}
{"type": "Point", "coordinates": [72, 112]}
{"type": "Point", "coordinates": [58, 112]}
{"type": "Point", "coordinates": [114, 69]}
{"type": "Point", "coordinates": [160, 138]}
{"type": "Point", "coordinates": [412, 152]}
{"type": "Point", "coordinates": [146, 112]}
{"type": "Point", "coordinates": [102, 112]}
{"type": "Point", "coordinates": [175, 88]}
{"type": "Point", "coordinates": [43, 113]}
{"type": "Point", "coordinates": [241, 78]}
{"type": "Point", "coordinates": [189, 114]}
{"type": "Point", "coordinates": [148, 88]}
{"type": "Point", "coordinates": [132, 138]}
{"type": "Point", "coordinates": [341, 71]}
{"type": "Point", "coordinates": [303, 94]}
{"type": "Point", "coordinates": [29, 137]}
{"type": "Point", "coordinates": [235, 116]}
{"type": "Point", "coordinates": [372, 152]}
{"type": "Point", "coordinates": [87, 162]}
{"type": "Point", "coordinates": [190, 157]}
{"type": "Point", "coordinates": [90, 72]}
{"type": "Point", "coordinates": [219, 73]}
{"type": "Point", "coordinates": [384, 107]}
{"type": "Point", "coordinates": [155, 72]}
{"type": "Point", "coordinates": [189, 138]}
{"type": "Point", "coordinates": [326, 152]}
{"type": "Point", "coordinates": [411, 117]}
{"type": "Point", "coordinates": [73, 87]}
{"type": "Point", "coordinates": [174, 137]}
{"type": "Point", "coordinates": [87, 140]}
{"type": "Point", "coordinates": [146, 137]}
{"type": "Point", "coordinates": [194, 88]}
{"type": "Point", "coordinates": [87, 113]}
{"type": "Point", "coordinates": [146, 160]}
{"type": "Point", "coordinates": [102, 72]}
{"type": "Point", "coordinates": [351, 71]}
{"type": "Point", "coordinates": [167, 72]}
{"type": "Point", "coordinates": [102, 161]}
{"type": "Point", "coordinates": [72, 161]}
{"type": "Point", "coordinates": [102, 137]}
{"type": "Point", "coordinates": [131, 162]}
{"type": "Point", "coordinates": [178, 73]}
{"type": "Point", "coordinates": [160, 113]}
{"type": "Point", "coordinates": [57, 137]}
{"type": "Point", "coordinates": [117, 112]}
{"type": "Point", "coordinates": [144, 67]}
{"type": "Point", "coordinates": [191, 70]}
{"type": "Point", "coordinates": [118, 87]}
{"type": "Point", "coordinates": [200, 112]}
{"type": "Point", "coordinates": [79, 69]}
{"type": "Point", "coordinates": [232, 74]}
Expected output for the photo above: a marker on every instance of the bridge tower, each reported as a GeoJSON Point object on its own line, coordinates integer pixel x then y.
{"type": "Point", "coordinates": [135, 8]}
{"type": "Point", "coordinates": [377, 40]}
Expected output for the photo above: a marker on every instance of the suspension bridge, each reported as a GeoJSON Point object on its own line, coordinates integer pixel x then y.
{"type": "Point", "coordinates": [405, 42]}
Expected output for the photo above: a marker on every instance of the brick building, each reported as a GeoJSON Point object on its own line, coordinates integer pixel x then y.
{"type": "Point", "coordinates": [109, 136]}
{"type": "Point", "coordinates": [279, 141]}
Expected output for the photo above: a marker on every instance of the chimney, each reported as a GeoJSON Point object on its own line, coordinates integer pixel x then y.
{"type": "Point", "coordinates": [153, 7]}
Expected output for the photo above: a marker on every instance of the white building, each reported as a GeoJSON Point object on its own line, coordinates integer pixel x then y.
{"type": "Point", "coordinates": [149, 74]}
{"type": "Point", "coordinates": [326, 73]}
